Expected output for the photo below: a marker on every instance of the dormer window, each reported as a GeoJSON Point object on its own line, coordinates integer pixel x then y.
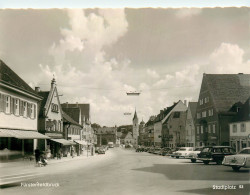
{"type": "Point", "coordinates": [237, 109]}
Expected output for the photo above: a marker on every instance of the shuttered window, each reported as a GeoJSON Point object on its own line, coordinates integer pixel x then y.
{"type": "Point", "coordinates": [2, 102]}
{"type": "Point", "coordinates": [7, 104]}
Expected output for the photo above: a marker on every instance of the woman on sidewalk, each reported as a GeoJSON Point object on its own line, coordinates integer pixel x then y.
{"type": "Point", "coordinates": [37, 155]}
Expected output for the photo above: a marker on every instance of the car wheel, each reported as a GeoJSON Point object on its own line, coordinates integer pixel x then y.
{"type": "Point", "coordinates": [193, 160]}
{"type": "Point", "coordinates": [206, 162]}
{"type": "Point", "coordinates": [177, 156]}
{"type": "Point", "coordinates": [219, 162]}
{"type": "Point", "coordinates": [235, 168]}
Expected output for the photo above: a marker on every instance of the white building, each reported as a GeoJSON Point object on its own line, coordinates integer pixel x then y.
{"type": "Point", "coordinates": [18, 113]}
{"type": "Point", "coordinates": [240, 128]}
{"type": "Point", "coordinates": [190, 124]}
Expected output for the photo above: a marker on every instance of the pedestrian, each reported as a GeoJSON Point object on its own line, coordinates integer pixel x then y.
{"type": "Point", "coordinates": [37, 155]}
{"type": "Point", "coordinates": [59, 154]}
{"type": "Point", "coordinates": [72, 151]}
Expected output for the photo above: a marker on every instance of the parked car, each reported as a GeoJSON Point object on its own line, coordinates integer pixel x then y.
{"type": "Point", "coordinates": [151, 150]}
{"type": "Point", "coordinates": [183, 152]}
{"type": "Point", "coordinates": [157, 151]}
{"type": "Point", "coordinates": [139, 149]}
{"type": "Point", "coordinates": [165, 151]}
{"type": "Point", "coordinates": [215, 154]}
{"type": "Point", "coordinates": [193, 155]}
{"type": "Point", "coordinates": [101, 151]}
{"type": "Point", "coordinates": [241, 159]}
{"type": "Point", "coordinates": [173, 151]}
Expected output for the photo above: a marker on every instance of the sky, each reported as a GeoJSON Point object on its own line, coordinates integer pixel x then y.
{"type": "Point", "coordinates": [97, 55]}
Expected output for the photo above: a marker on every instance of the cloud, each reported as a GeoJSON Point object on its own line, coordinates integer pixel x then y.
{"type": "Point", "coordinates": [188, 12]}
{"type": "Point", "coordinates": [152, 73]}
{"type": "Point", "coordinates": [228, 58]}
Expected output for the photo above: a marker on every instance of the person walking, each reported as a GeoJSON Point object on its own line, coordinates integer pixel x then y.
{"type": "Point", "coordinates": [37, 155]}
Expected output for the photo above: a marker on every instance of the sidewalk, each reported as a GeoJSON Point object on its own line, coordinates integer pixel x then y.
{"type": "Point", "coordinates": [12, 172]}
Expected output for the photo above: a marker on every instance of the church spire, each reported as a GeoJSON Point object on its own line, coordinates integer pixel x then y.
{"type": "Point", "coordinates": [135, 115]}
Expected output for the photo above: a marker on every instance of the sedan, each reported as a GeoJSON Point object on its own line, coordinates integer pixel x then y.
{"type": "Point", "coordinates": [242, 159]}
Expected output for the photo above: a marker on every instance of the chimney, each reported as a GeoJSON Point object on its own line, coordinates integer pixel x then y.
{"type": "Point", "coordinates": [37, 89]}
{"type": "Point", "coordinates": [161, 111]}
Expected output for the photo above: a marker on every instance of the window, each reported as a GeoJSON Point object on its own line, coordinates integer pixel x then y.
{"type": "Point", "coordinates": [197, 129]}
{"type": "Point", "coordinates": [234, 128]}
{"type": "Point", "coordinates": [201, 101]}
{"type": "Point", "coordinates": [212, 112]}
{"type": "Point", "coordinates": [176, 115]}
{"type": "Point", "coordinates": [213, 128]}
{"type": "Point", "coordinates": [242, 127]}
{"type": "Point", "coordinates": [7, 104]}
{"type": "Point", "coordinates": [198, 115]}
{"type": "Point", "coordinates": [206, 99]}
{"type": "Point", "coordinates": [59, 125]}
{"type": "Point", "coordinates": [25, 109]}
{"type": "Point", "coordinates": [204, 114]}
{"type": "Point", "coordinates": [16, 106]}
{"type": "Point", "coordinates": [209, 128]}
{"type": "Point", "coordinates": [201, 129]}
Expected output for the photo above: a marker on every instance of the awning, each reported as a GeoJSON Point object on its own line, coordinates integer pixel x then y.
{"type": "Point", "coordinates": [82, 142]}
{"type": "Point", "coordinates": [22, 134]}
{"type": "Point", "coordinates": [64, 142]}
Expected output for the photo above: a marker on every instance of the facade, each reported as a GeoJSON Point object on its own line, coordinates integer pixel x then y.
{"type": "Point", "coordinates": [88, 133]}
{"type": "Point", "coordinates": [50, 122]}
{"type": "Point", "coordinates": [240, 128]}
{"type": "Point", "coordinates": [142, 138]}
{"type": "Point", "coordinates": [129, 139]}
{"type": "Point", "coordinates": [18, 113]}
{"type": "Point", "coordinates": [218, 94]}
{"type": "Point", "coordinates": [135, 129]}
{"type": "Point", "coordinates": [190, 124]}
{"type": "Point", "coordinates": [161, 130]}
{"type": "Point", "coordinates": [72, 131]}
{"type": "Point", "coordinates": [174, 129]}
{"type": "Point", "coordinates": [105, 135]}
{"type": "Point", "coordinates": [149, 131]}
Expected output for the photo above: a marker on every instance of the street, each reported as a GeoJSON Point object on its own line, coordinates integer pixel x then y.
{"type": "Point", "coordinates": [122, 171]}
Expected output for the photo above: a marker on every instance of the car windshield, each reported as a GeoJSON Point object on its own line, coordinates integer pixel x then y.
{"type": "Point", "coordinates": [198, 149]}
{"type": "Point", "coordinates": [245, 151]}
{"type": "Point", "coordinates": [206, 150]}
{"type": "Point", "coordinates": [182, 149]}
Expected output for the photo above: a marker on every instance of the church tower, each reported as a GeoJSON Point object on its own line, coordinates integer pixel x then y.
{"type": "Point", "coordinates": [135, 128]}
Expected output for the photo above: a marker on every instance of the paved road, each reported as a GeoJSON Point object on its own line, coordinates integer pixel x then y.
{"type": "Point", "coordinates": [126, 172]}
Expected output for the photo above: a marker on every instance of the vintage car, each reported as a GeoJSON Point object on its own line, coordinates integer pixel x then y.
{"type": "Point", "coordinates": [101, 151]}
{"type": "Point", "coordinates": [193, 155]}
{"type": "Point", "coordinates": [165, 151]}
{"type": "Point", "coordinates": [242, 159]}
{"type": "Point", "coordinates": [157, 151]}
{"type": "Point", "coordinates": [214, 154]}
{"type": "Point", "coordinates": [184, 152]}
{"type": "Point", "coordinates": [173, 151]}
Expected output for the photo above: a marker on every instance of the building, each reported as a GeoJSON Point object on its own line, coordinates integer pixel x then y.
{"type": "Point", "coordinates": [149, 131]}
{"type": "Point", "coordinates": [142, 138]}
{"type": "Point", "coordinates": [240, 128]}
{"type": "Point", "coordinates": [160, 136]}
{"type": "Point", "coordinates": [50, 122]}
{"type": "Point", "coordinates": [105, 135]}
{"type": "Point", "coordinates": [18, 113]}
{"type": "Point", "coordinates": [129, 139]}
{"type": "Point", "coordinates": [190, 124]}
{"type": "Point", "coordinates": [72, 131]}
{"type": "Point", "coordinates": [135, 129]}
{"type": "Point", "coordinates": [218, 93]}
{"type": "Point", "coordinates": [88, 133]}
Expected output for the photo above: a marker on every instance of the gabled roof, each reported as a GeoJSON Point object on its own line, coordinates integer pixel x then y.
{"type": "Point", "coordinates": [165, 113]}
{"type": "Point", "coordinates": [226, 89]}
{"type": "Point", "coordinates": [9, 77]}
{"type": "Point", "coordinates": [85, 109]}
{"type": "Point", "coordinates": [193, 106]}
{"type": "Point", "coordinates": [74, 113]}
{"type": "Point", "coordinates": [244, 112]}
{"type": "Point", "coordinates": [67, 118]}
{"type": "Point", "coordinates": [150, 121]}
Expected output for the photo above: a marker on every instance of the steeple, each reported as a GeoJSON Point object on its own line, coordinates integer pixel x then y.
{"type": "Point", "coordinates": [53, 82]}
{"type": "Point", "coordinates": [135, 115]}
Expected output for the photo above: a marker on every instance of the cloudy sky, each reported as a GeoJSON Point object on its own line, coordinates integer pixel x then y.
{"type": "Point", "coordinates": [97, 55]}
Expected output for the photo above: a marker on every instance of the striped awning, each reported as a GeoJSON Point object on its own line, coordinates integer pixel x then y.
{"type": "Point", "coordinates": [64, 142]}
{"type": "Point", "coordinates": [82, 142]}
{"type": "Point", "coordinates": [22, 134]}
